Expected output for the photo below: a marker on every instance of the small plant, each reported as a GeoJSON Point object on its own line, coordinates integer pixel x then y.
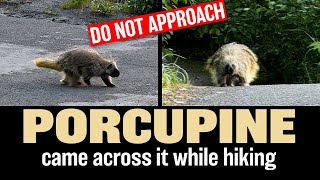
{"type": "Point", "coordinates": [101, 6]}
{"type": "Point", "coordinates": [105, 7]}
{"type": "Point", "coordinates": [142, 6]}
{"type": "Point", "coordinates": [71, 4]}
{"type": "Point", "coordinates": [172, 74]}
{"type": "Point", "coordinates": [315, 46]}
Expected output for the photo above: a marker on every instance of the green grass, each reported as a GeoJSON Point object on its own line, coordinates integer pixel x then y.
{"type": "Point", "coordinates": [109, 7]}
{"type": "Point", "coordinates": [315, 46]}
{"type": "Point", "coordinates": [72, 4]}
{"type": "Point", "coordinates": [105, 7]}
{"type": "Point", "coordinates": [172, 74]}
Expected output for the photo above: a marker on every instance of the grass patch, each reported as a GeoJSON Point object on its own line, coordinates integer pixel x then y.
{"type": "Point", "coordinates": [315, 46]}
{"type": "Point", "coordinates": [105, 7]}
{"type": "Point", "coordinates": [108, 7]}
{"type": "Point", "coordinates": [72, 4]}
{"type": "Point", "coordinates": [315, 67]}
{"type": "Point", "coordinates": [172, 74]}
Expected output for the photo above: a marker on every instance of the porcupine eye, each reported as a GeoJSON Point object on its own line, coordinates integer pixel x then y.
{"type": "Point", "coordinates": [109, 69]}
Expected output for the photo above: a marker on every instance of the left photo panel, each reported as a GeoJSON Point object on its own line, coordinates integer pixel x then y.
{"type": "Point", "coordinates": [47, 60]}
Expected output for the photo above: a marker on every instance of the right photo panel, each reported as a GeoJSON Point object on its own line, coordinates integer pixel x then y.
{"type": "Point", "coordinates": [266, 54]}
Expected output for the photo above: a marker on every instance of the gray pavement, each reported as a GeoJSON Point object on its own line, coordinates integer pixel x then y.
{"type": "Point", "coordinates": [23, 84]}
{"type": "Point", "coordinates": [266, 95]}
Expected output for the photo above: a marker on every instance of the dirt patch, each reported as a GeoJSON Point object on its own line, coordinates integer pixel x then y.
{"type": "Point", "coordinates": [51, 10]}
{"type": "Point", "coordinates": [180, 95]}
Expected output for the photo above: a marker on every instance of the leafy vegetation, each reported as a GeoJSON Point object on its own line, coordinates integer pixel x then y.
{"type": "Point", "coordinates": [105, 7]}
{"type": "Point", "coordinates": [111, 6]}
{"type": "Point", "coordinates": [172, 74]}
{"type": "Point", "coordinates": [315, 46]}
{"type": "Point", "coordinates": [143, 6]}
{"type": "Point", "coordinates": [71, 4]}
{"type": "Point", "coordinates": [283, 33]}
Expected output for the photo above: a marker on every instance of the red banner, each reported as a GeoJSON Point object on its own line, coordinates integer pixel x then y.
{"type": "Point", "coordinates": [158, 22]}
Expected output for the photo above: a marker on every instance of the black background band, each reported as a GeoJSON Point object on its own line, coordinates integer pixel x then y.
{"type": "Point", "coordinates": [291, 159]}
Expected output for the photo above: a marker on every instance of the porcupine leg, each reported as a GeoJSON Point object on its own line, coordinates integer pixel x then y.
{"type": "Point", "coordinates": [222, 81]}
{"type": "Point", "coordinates": [86, 80]}
{"type": "Point", "coordinates": [66, 79]}
{"type": "Point", "coordinates": [243, 81]}
{"type": "Point", "coordinates": [74, 78]}
{"type": "Point", "coordinates": [229, 80]}
{"type": "Point", "coordinates": [107, 80]}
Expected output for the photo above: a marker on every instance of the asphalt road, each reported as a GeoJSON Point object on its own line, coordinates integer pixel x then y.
{"type": "Point", "coordinates": [23, 84]}
{"type": "Point", "coordinates": [266, 95]}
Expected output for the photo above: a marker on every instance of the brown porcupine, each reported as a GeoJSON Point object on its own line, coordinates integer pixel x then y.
{"type": "Point", "coordinates": [233, 64]}
{"type": "Point", "coordinates": [83, 62]}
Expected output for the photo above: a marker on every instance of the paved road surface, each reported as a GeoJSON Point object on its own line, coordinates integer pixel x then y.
{"type": "Point", "coordinates": [267, 95]}
{"type": "Point", "coordinates": [23, 84]}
